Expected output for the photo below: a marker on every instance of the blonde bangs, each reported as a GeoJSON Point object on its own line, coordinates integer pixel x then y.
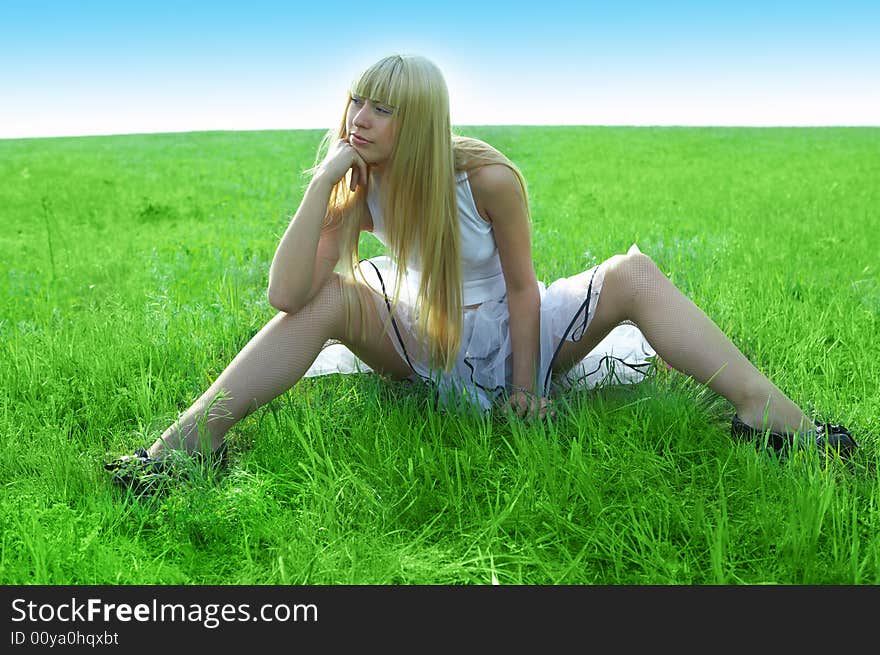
{"type": "Point", "coordinates": [382, 83]}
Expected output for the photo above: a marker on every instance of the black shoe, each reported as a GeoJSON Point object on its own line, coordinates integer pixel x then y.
{"type": "Point", "coordinates": [146, 475]}
{"type": "Point", "coordinates": [826, 437]}
{"type": "Point", "coordinates": [139, 472]}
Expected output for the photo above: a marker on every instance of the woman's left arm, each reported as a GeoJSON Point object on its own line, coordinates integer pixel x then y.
{"type": "Point", "coordinates": [502, 199]}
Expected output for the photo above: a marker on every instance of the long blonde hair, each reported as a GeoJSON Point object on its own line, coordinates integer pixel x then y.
{"type": "Point", "coordinates": [418, 195]}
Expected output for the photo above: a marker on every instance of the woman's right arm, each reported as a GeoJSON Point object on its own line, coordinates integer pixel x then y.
{"type": "Point", "coordinates": [304, 247]}
{"type": "Point", "coordinates": [290, 276]}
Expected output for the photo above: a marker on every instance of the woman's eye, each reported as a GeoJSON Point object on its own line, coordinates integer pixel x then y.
{"type": "Point", "coordinates": [356, 100]}
{"type": "Point", "coordinates": [384, 110]}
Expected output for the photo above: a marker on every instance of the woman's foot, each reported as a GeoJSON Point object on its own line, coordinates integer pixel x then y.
{"type": "Point", "coordinates": [825, 437]}
{"type": "Point", "coordinates": [144, 474]}
{"type": "Point", "coordinates": [139, 472]}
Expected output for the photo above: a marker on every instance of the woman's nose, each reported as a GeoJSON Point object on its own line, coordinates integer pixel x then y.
{"type": "Point", "coordinates": [360, 118]}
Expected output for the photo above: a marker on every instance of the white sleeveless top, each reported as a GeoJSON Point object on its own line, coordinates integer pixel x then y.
{"type": "Point", "coordinates": [482, 277]}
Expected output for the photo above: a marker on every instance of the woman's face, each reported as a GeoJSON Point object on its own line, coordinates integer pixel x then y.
{"type": "Point", "coordinates": [372, 129]}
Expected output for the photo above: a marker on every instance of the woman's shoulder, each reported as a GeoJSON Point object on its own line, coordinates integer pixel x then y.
{"type": "Point", "coordinates": [469, 152]}
{"type": "Point", "coordinates": [489, 180]}
{"type": "Point", "coordinates": [486, 166]}
{"type": "Point", "coordinates": [489, 184]}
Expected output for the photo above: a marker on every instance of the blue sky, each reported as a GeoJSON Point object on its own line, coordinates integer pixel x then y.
{"type": "Point", "coordinates": [72, 68]}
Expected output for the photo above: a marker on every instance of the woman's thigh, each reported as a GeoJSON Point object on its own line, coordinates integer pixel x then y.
{"type": "Point", "coordinates": [366, 335]}
{"type": "Point", "coordinates": [607, 315]}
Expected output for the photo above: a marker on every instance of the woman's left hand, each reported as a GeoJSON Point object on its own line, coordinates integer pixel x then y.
{"type": "Point", "coordinates": [529, 406]}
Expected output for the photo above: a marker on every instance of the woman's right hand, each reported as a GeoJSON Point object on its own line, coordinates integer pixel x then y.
{"type": "Point", "coordinates": [342, 157]}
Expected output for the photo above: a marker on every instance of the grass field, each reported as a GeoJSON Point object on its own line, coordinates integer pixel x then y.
{"type": "Point", "coordinates": [136, 267]}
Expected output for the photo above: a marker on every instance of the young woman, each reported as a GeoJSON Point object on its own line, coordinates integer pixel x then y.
{"type": "Point", "coordinates": [466, 314]}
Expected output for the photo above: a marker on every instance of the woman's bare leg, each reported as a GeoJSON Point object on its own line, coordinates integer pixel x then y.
{"type": "Point", "coordinates": [635, 289]}
{"type": "Point", "coordinates": [274, 360]}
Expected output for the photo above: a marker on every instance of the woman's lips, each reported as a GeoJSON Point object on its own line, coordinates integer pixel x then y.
{"type": "Point", "coordinates": [359, 140]}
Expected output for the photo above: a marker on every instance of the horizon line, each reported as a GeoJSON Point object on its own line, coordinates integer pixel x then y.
{"type": "Point", "coordinates": [456, 127]}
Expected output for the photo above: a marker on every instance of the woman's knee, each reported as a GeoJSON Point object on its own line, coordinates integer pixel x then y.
{"type": "Point", "coordinates": [631, 277]}
{"type": "Point", "coordinates": [326, 305]}
{"type": "Point", "coordinates": [344, 307]}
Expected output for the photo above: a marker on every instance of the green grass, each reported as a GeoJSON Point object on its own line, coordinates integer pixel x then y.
{"type": "Point", "coordinates": [136, 267]}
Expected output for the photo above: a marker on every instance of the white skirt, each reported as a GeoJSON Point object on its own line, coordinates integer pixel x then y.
{"type": "Point", "coordinates": [481, 375]}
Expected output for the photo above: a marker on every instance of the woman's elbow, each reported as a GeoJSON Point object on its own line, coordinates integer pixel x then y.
{"type": "Point", "coordinates": [281, 302]}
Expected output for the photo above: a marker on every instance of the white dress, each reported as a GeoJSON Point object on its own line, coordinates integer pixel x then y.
{"type": "Point", "coordinates": [481, 374]}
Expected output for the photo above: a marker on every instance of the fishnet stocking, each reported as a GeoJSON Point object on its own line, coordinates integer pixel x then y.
{"type": "Point", "coordinates": [272, 362]}
{"type": "Point", "coordinates": [684, 337]}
